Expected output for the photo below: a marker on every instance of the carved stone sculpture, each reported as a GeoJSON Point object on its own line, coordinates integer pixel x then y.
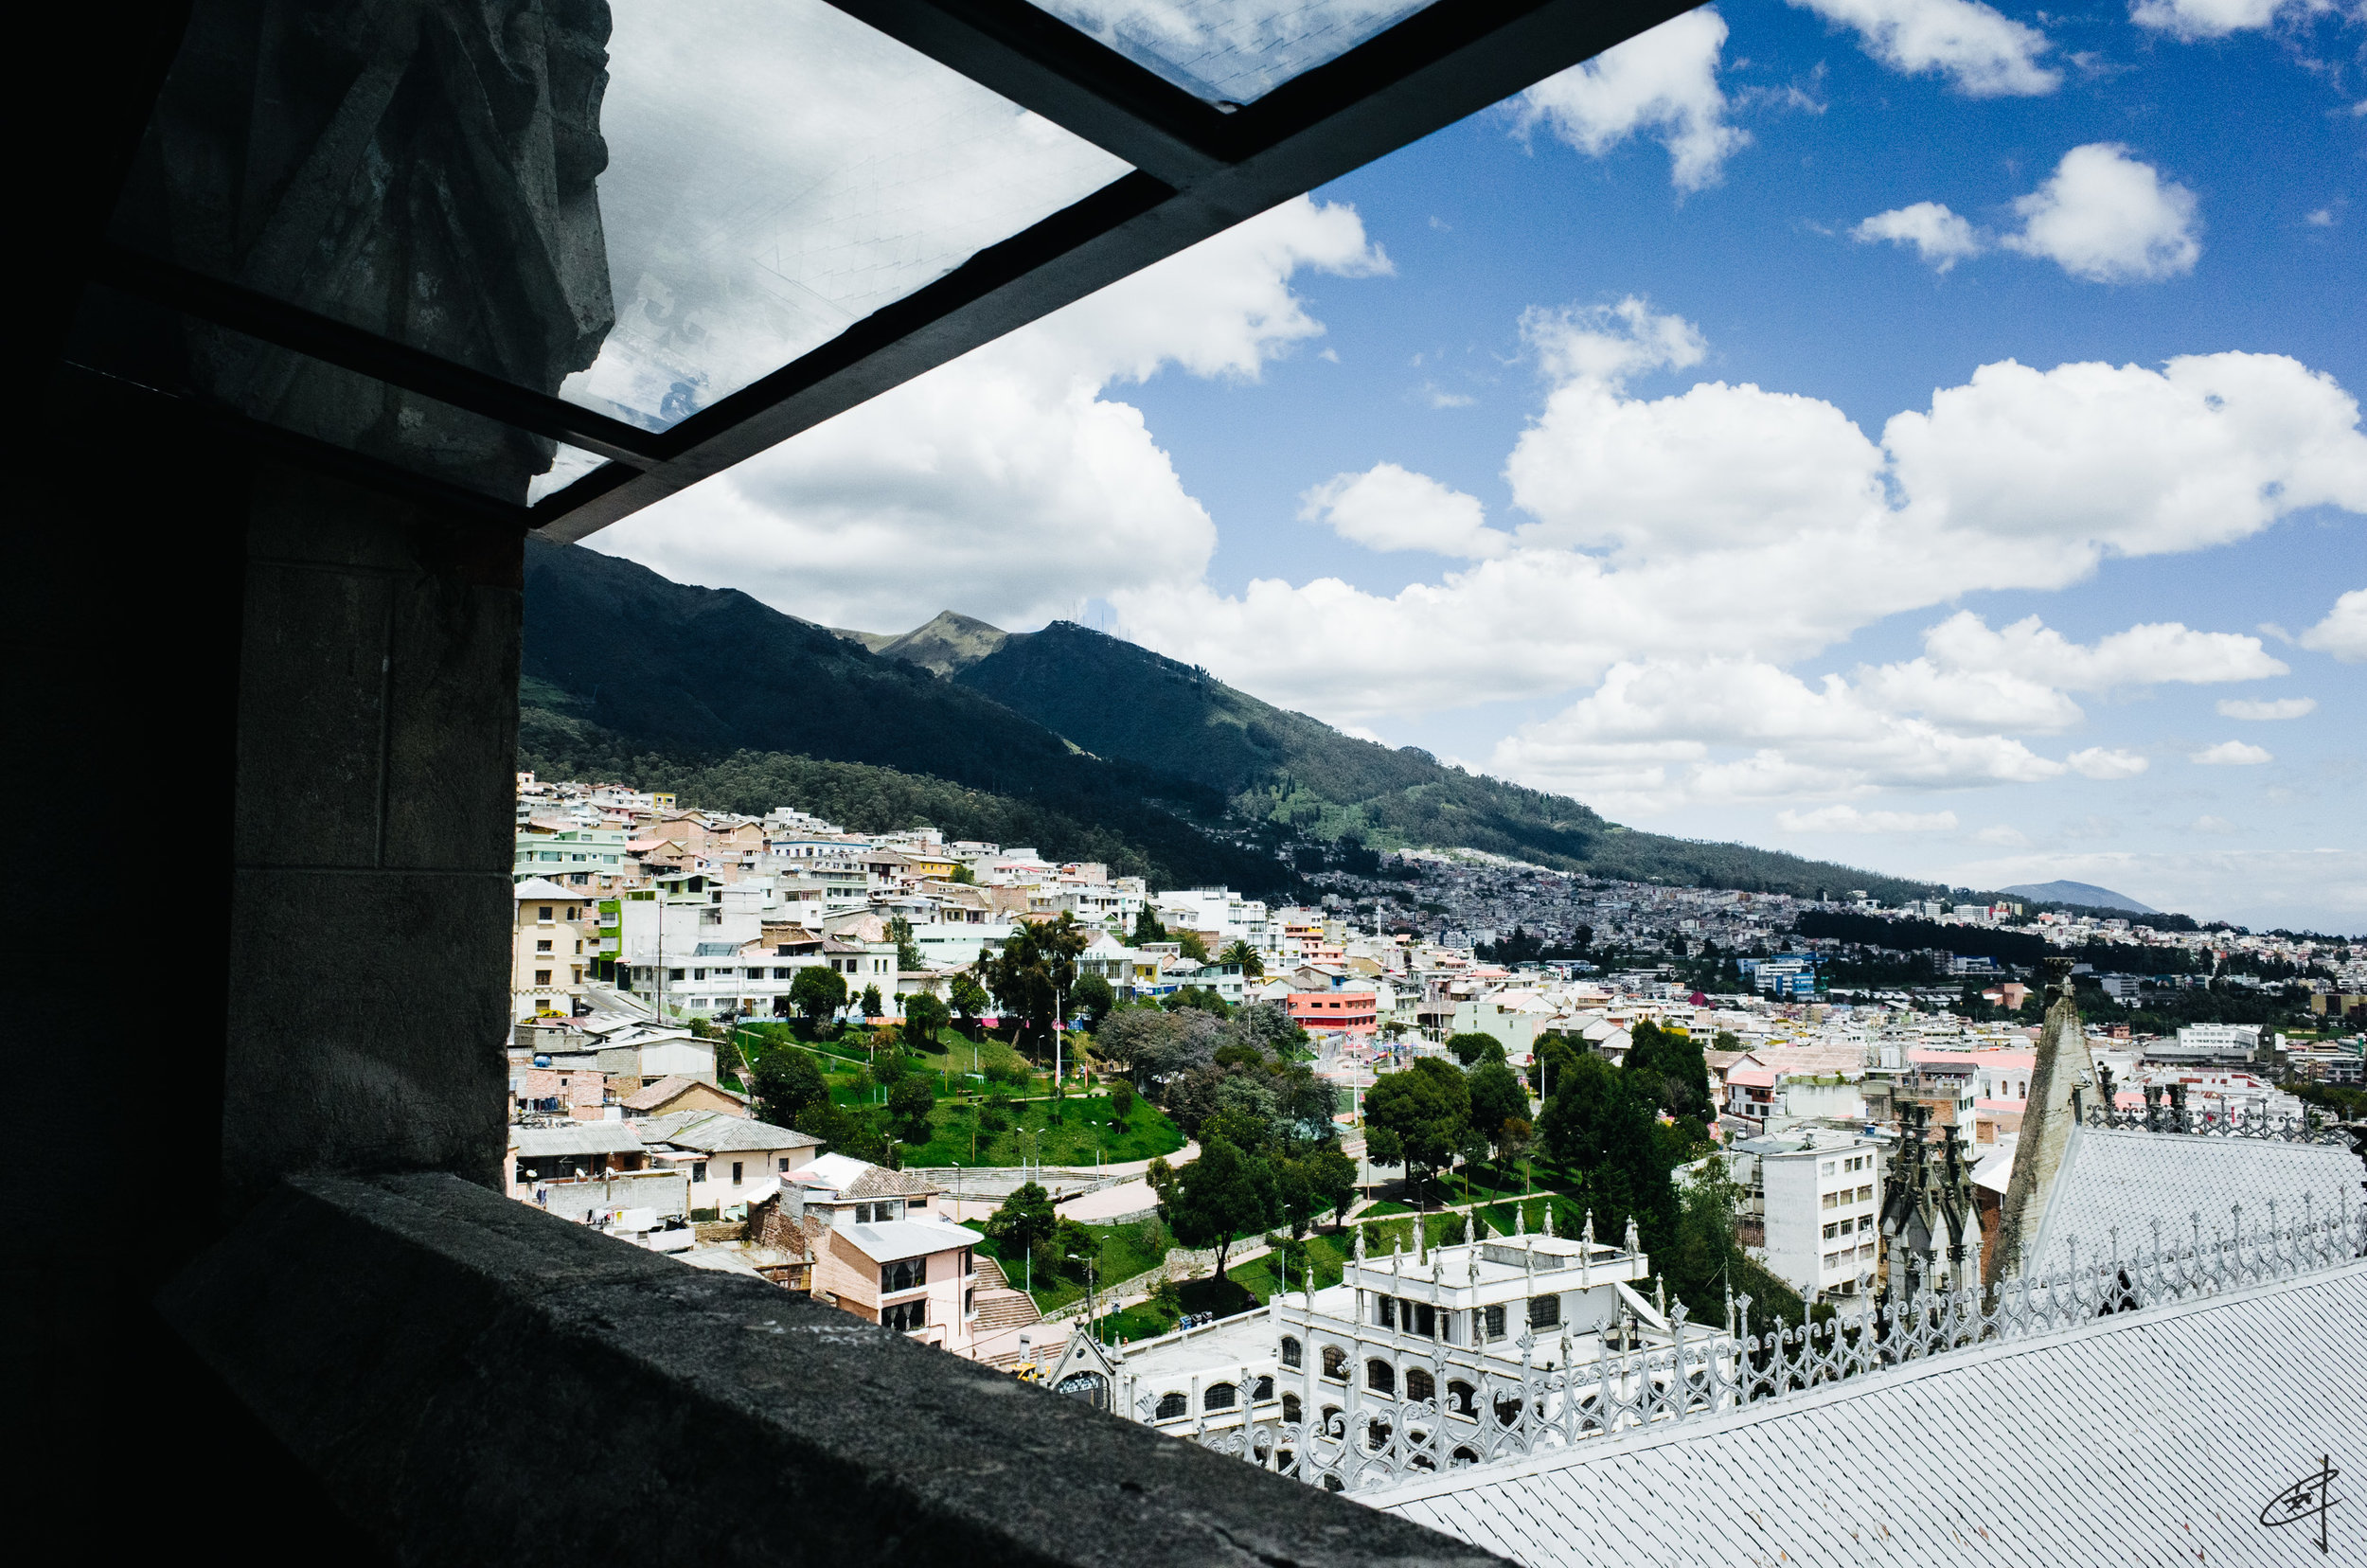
{"type": "Point", "coordinates": [423, 169]}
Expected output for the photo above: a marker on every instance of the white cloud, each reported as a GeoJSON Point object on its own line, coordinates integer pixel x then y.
{"type": "Point", "coordinates": [2108, 218]}
{"type": "Point", "coordinates": [1388, 509]}
{"type": "Point", "coordinates": [2343, 634]}
{"type": "Point", "coordinates": [2208, 824]}
{"type": "Point", "coordinates": [1983, 53]}
{"type": "Point", "coordinates": [1660, 733]}
{"type": "Point", "coordinates": [1663, 83]}
{"type": "Point", "coordinates": [2232, 754]}
{"type": "Point", "coordinates": [2189, 20]}
{"type": "Point", "coordinates": [1005, 485]}
{"type": "Point", "coordinates": [1848, 819]}
{"type": "Point", "coordinates": [1735, 522]}
{"type": "Point", "coordinates": [2003, 837]}
{"type": "Point", "coordinates": [1607, 344]}
{"type": "Point", "coordinates": [2105, 763]}
{"type": "Point", "coordinates": [2152, 654]}
{"type": "Point", "coordinates": [1938, 235]}
{"type": "Point", "coordinates": [716, 286]}
{"type": "Point", "coordinates": [2282, 707]}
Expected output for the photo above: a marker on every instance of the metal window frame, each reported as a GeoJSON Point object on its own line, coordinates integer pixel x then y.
{"type": "Point", "coordinates": [1197, 170]}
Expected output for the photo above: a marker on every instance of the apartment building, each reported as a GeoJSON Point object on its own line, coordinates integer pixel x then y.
{"type": "Point", "coordinates": [550, 945]}
{"type": "Point", "coordinates": [1813, 1201]}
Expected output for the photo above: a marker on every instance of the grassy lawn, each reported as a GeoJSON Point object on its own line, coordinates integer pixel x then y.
{"type": "Point", "coordinates": [1149, 1319]}
{"type": "Point", "coordinates": [1124, 1251]}
{"type": "Point", "coordinates": [1070, 1131]}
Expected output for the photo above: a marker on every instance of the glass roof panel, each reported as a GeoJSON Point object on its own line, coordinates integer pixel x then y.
{"type": "Point", "coordinates": [780, 170]}
{"type": "Point", "coordinates": [1232, 51]}
{"type": "Point", "coordinates": [744, 180]}
{"type": "Point", "coordinates": [183, 356]}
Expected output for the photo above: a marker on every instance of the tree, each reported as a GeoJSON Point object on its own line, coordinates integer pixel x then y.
{"type": "Point", "coordinates": [1024, 1218]}
{"type": "Point", "coordinates": [1191, 945]}
{"type": "Point", "coordinates": [1470, 1049]}
{"type": "Point", "coordinates": [924, 1017]}
{"type": "Point", "coordinates": [1239, 951]}
{"type": "Point", "coordinates": [1092, 1000]}
{"type": "Point", "coordinates": [912, 1102]}
{"type": "Point", "coordinates": [787, 1083]}
{"type": "Point", "coordinates": [817, 991]}
{"type": "Point", "coordinates": [1121, 1100]}
{"type": "Point", "coordinates": [1216, 1198]}
{"type": "Point", "coordinates": [1035, 969]}
{"type": "Point", "coordinates": [846, 1132]}
{"type": "Point", "coordinates": [1575, 1114]}
{"type": "Point", "coordinates": [1199, 998]}
{"type": "Point", "coordinates": [900, 931]}
{"type": "Point", "coordinates": [1383, 1147]}
{"type": "Point", "coordinates": [1551, 1061]}
{"type": "Point", "coordinates": [1428, 1106]}
{"type": "Point", "coordinates": [1146, 927]}
{"type": "Point", "coordinates": [1332, 1175]}
{"type": "Point", "coordinates": [1297, 1197]}
{"type": "Point", "coordinates": [1073, 1247]}
{"type": "Point", "coordinates": [969, 998]}
{"type": "Point", "coordinates": [1267, 1025]}
{"type": "Point", "coordinates": [872, 1004]}
{"type": "Point", "coordinates": [1497, 1097]}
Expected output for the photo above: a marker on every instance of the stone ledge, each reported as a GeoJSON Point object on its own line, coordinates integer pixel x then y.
{"type": "Point", "coordinates": [478, 1382]}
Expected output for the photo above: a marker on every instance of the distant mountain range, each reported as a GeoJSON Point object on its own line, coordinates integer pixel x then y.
{"type": "Point", "coordinates": [1081, 743]}
{"type": "Point", "coordinates": [2088, 894]}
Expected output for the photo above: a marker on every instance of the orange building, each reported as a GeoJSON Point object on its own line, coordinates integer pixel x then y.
{"type": "Point", "coordinates": [1359, 1012]}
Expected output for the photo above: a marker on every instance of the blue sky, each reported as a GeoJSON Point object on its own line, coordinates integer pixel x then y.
{"type": "Point", "coordinates": [1376, 456]}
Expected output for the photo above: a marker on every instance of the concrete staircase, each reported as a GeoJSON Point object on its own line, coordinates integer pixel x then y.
{"type": "Point", "coordinates": [1002, 1312]}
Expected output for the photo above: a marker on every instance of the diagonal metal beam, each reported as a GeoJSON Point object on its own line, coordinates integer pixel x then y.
{"type": "Point", "coordinates": [1422, 75]}
{"type": "Point", "coordinates": [1199, 170]}
{"type": "Point", "coordinates": [350, 348]}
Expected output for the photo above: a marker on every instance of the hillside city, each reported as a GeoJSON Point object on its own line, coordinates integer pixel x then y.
{"type": "Point", "coordinates": [1068, 1124]}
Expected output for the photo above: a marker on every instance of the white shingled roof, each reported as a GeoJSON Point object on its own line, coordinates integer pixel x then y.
{"type": "Point", "coordinates": [2155, 1436]}
{"type": "Point", "coordinates": [2128, 1177]}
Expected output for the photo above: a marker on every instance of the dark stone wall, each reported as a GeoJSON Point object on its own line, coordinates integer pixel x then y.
{"type": "Point", "coordinates": [377, 732]}
{"type": "Point", "coordinates": [477, 1382]}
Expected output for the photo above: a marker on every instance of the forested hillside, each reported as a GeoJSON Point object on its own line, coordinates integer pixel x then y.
{"type": "Point", "coordinates": [1125, 702]}
{"type": "Point", "coordinates": [632, 677]}
{"type": "Point", "coordinates": [1076, 743]}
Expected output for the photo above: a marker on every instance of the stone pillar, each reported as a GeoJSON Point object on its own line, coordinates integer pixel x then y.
{"type": "Point", "coordinates": [372, 839]}
{"type": "Point", "coordinates": [2062, 1064]}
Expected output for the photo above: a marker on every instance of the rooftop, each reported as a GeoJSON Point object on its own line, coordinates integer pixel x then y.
{"type": "Point", "coordinates": [2132, 1439]}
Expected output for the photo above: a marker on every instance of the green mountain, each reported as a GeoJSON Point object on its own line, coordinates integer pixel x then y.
{"type": "Point", "coordinates": [630, 677]}
{"type": "Point", "coordinates": [1085, 746]}
{"type": "Point", "coordinates": [1288, 771]}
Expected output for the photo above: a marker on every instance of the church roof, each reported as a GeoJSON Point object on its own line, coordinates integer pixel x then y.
{"type": "Point", "coordinates": [2153, 1435]}
{"type": "Point", "coordinates": [2129, 1178]}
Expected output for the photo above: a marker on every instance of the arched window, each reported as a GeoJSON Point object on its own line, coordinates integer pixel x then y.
{"type": "Point", "coordinates": [1418, 1384]}
{"type": "Point", "coordinates": [1264, 1390]}
{"type": "Point", "coordinates": [1218, 1397]}
{"type": "Point", "coordinates": [1291, 1409]}
{"type": "Point", "coordinates": [1463, 1456]}
{"type": "Point", "coordinates": [1173, 1405]}
{"type": "Point", "coordinates": [1376, 1435]}
{"type": "Point", "coordinates": [1290, 1354]}
{"type": "Point", "coordinates": [1335, 1363]}
{"type": "Point", "coordinates": [1461, 1398]}
{"type": "Point", "coordinates": [1507, 1411]}
{"type": "Point", "coordinates": [1381, 1377]}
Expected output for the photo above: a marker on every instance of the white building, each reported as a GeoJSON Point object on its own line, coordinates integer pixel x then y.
{"type": "Point", "coordinates": [1449, 1329]}
{"type": "Point", "coordinates": [1815, 1202]}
